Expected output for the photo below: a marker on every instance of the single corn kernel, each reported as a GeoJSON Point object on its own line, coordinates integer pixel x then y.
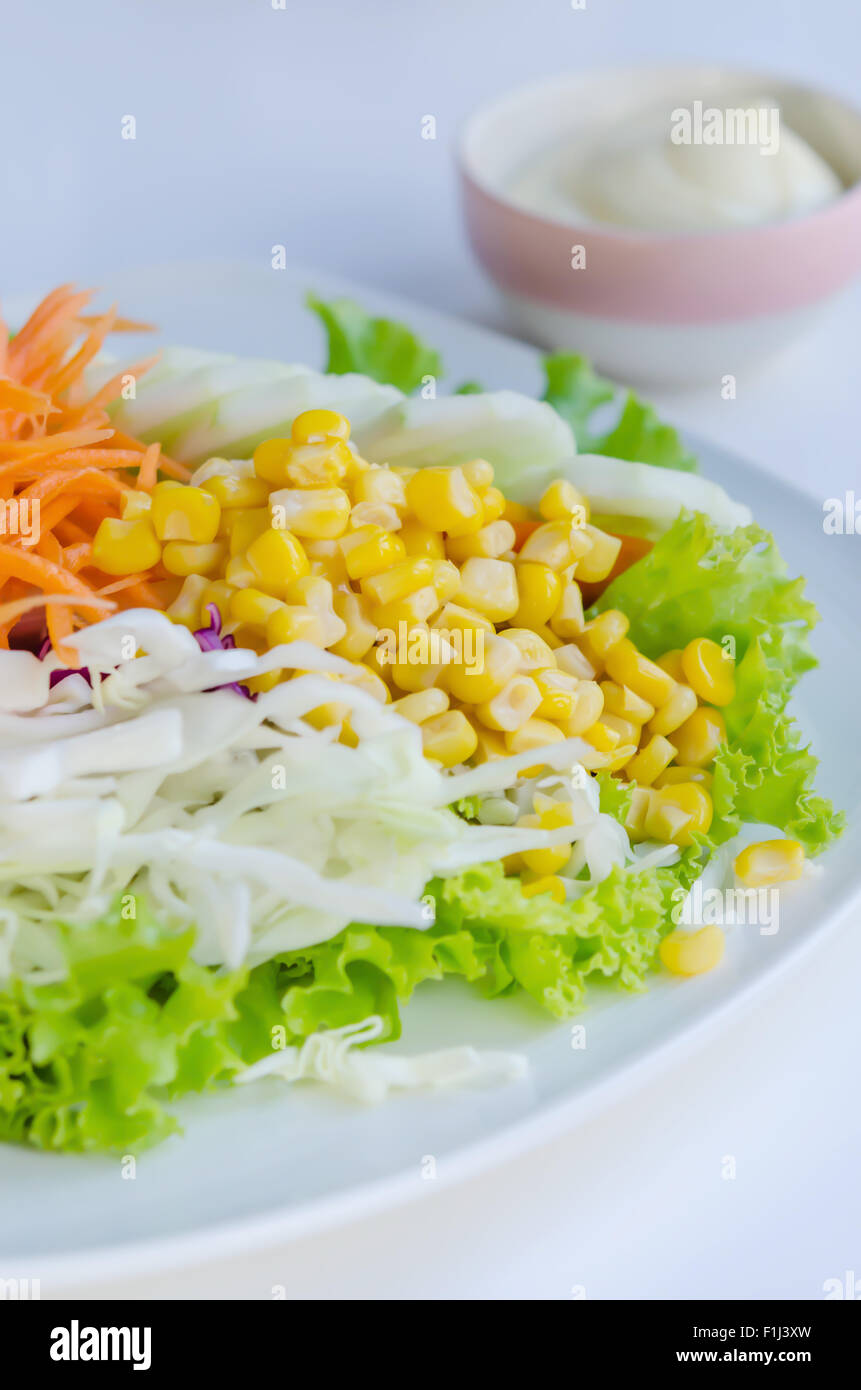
{"type": "Point", "coordinates": [548, 636]}
{"type": "Point", "coordinates": [537, 887]}
{"type": "Point", "coordinates": [635, 819]}
{"type": "Point", "coordinates": [318, 513]}
{"type": "Point", "coordinates": [570, 658]}
{"type": "Point", "coordinates": [558, 694]}
{"type": "Point", "coordinates": [601, 556]}
{"type": "Point", "coordinates": [668, 823]}
{"type": "Point", "coordinates": [552, 813]}
{"type": "Point", "coordinates": [535, 653]}
{"type": "Point", "coordinates": [672, 775]}
{"type": "Point", "coordinates": [270, 461]}
{"type": "Point", "coordinates": [651, 760]}
{"type": "Point", "coordinates": [442, 499]}
{"type": "Point", "coordinates": [699, 738]}
{"type": "Point", "coordinates": [602, 737]}
{"type": "Point", "coordinates": [539, 589]}
{"type": "Point", "coordinates": [494, 663]}
{"type": "Point", "coordinates": [421, 705]}
{"type": "Point", "coordinates": [671, 662]}
{"type": "Point", "coordinates": [620, 757]}
{"type": "Point", "coordinates": [562, 500]}
{"type": "Point", "coordinates": [557, 544]}
{"type": "Point", "coordinates": [535, 733]}
{"type": "Point", "coordinates": [545, 861]}
{"type": "Point", "coordinates": [311, 590]}
{"type": "Point", "coordinates": [252, 606]}
{"type": "Point", "coordinates": [378, 484]}
{"type": "Point", "coordinates": [292, 622]}
{"type": "Point", "coordinates": [184, 513]}
{"type": "Point", "coordinates": [247, 523]}
{"type": "Point", "coordinates": [627, 666]}
{"type": "Point", "coordinates": [769, 862]}
{"type": "Point", "coordinates": [488, 543]}
{"type": "Point", "coordinates": [478, 473]}
{"type": "Point", "coordinates": [567, 620]}
{"type": "Point", "coordinates": [621, 701]}
{"type": "Point", "coordinates": [692, 800]}
{"type": "Point", "coordinates": [446, 579]}
{"type": "Point", "coordinates": [219, 592]}
{"type": "Point", "coordinates": [375, 514]}
{"type": "Point", "coordinates": [421, 660]}
{"type": "Point", "coordinates": [313, 425]}
{"type": "Point", "coordinates": [239, 573]}
{"type": "Point", "coordinates": [267, 680]}
{"type": "Point", "coordinates": [490, 587]}
{"type": "Point", "coordinates": [692, 953]}
{"type": "Point", "coordinates": [709, 671]}
{"type": "Point", "coordinates": [606, 631]}
{"type": "Point", "coordinates": [421, 540]}
{"type": "Point", "coordinates": [185, 608]}
{"type": "Point", "coordinates": [516, 511]}
{"type": "Point", "coordinates": [674, 711]}
{"type": "Point", "coordinates": [125, 547]}
{"type": "Point", "coordinates": [628, 731]}
{"type": "Point", "coordinates": [398, 581]}
{"type": "Point", "coordinates": [323, 464]}
{"type": "Point", "coordinates": [370, 550]}
{"type": "Point", "coordinates": [327, 559]}
{"type": "Point", "coordinates": [510, 708]}
{"type": "Point", "coordinates": [360, 632]}
{"type": "Point", "coordinates": [589, 702]}
{"type": "Point", "coordinates": [492, 504]}
{"type": "Point", "coordinates": [276, 558]}
{"type": "Point", "coordinates": [184, 557]}
{"type": "Point", "coordinates": [135, 505]}
{"type": "Point", "coordinates": [491, 745]}
{"type": "Point", "coordinates": [416, 607]}
{"type": "Point", "coordinates": [232, 490]}
{"type": "Point", "coordinates": [449, 738]}
{"type": "Point", "coordinates": [370, 681]}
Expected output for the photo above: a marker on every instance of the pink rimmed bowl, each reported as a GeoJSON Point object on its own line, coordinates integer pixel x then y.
{"type": "Point", "coordinates": [664, 307]}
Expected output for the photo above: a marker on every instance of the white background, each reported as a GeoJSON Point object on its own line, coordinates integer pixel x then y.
{"type": "Point", "coordinates": [301, 126]}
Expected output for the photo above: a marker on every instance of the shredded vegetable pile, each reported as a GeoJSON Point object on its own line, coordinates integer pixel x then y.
{"type": "Point", "coordinates": [212, 871]}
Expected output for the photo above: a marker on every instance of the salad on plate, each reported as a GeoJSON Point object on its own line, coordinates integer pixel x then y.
{"type": "Point", "coordinates": [316, 686]}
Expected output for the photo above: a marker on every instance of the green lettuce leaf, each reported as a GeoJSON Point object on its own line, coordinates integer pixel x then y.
{"type": "Point", "coordinates": [379, 348]}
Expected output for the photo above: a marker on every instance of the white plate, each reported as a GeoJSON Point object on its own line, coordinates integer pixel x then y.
{"type": "Point", "coordinates": [261, 1165]}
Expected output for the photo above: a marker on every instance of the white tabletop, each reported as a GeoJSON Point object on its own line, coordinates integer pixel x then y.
{"type": "Point", "coordinates": [300, 126]}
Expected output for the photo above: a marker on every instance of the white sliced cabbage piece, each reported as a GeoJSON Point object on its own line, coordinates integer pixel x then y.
{"type": "Point", "coordinates": [169, 405]}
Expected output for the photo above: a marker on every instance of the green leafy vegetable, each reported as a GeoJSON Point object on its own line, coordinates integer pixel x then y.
{"type": "Point", "coordinates": [379, 348]}
{"type": "Point", "coordinates": [576, 391]}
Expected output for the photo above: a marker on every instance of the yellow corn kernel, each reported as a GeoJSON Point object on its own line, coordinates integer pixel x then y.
{"type": "Point", "coordinates": [232, 490]}
{"type": "Point", "coordinates": [552, 813]}
{"type": "Point", "coordinates": [635, 820]}
{"type": "Point", "coordinates": [322, 464]}
{"type": "Point", "coordinates": [313, 425]}
{"type": "Point", "coordinates": [491, 745]}
{"type": "Point", "coordinates": [252, 606]}
{"type": "Point", "coordinates": [605, 632]}
{"type": "Point", "coordinates": [651, 760]}
{"type": "Point", "coordinates": [489, 543]}
{"type": "Point", "coordinates": [624, 703]}
{"type": "Point", "coordinates": [548, 636]}
{"type": "Point", "coordinates": [293, 622]}
{"type": "Point", "coordinates": [427, 655]}
{"type": "Point", "coordinates": [184, 557]}
{"type": "Point", "coordinates": [671, 662]}
{"type": "Point", "coordinates": [318, 513]}
{"type": "Point", "coordinates": [668, 823]}
{"type": "Point", "coordinates": [311, 590]}
{"type": "Point", "coordinates": [327, 559]}
{"type": "Point", "coordinates": [544, 861]}
{"type": "Point", "coordinates": [557, 544]}
{"type": "Point", "coordinates": [674, 711]}
{"type": "Point", "coordinates": [709, 671]}
{"type": "Point", "coordinates": [247, 523]}
{"type": "Point", "coordinates": [562, 500]}
{"type": "Point", "coordinates": [490, 587]}
{"type": "Point", "coordinates": [493, 666]}
{"type": "Point", "coordinates": [558, 694]}
{"type": "Point", "coordinates": [125, 547]}
{"type": "Point", "coordinates": [567, 620]}
{"type": "Point", "coordinates": [442, 499]}
{"type": "Point", "coordinates": [378, 484]}
{"type": "Point", "coordinates": [769, 862]}
{"type": "Point", "coordinates": [360, 632]}
{"type": "Point", "coordinates": [368, 680]}
{"type": "Point", "coordinates": [516, 511]}
{"type": "Point", "coordinates": [239, 573]}
{"type": "Point", "coordinates": [602, 737]}
{"type": "Point", "coordinates": [588, 704]}
{"type": "Point", "coordinates": [417, 607]}
{"type": "Point", "coordinates": [510, 708]}
{"type": "Point", "coordinates": [536, 887]}
{"type": "Point", "coordinates": [570, 658]}
{"type": "Point", "coordinates": [601, 556]}
{"type": "Point", "coordinates": [620, 757]}
{"type": "Point", "coordinates": [671, 775]}
{"type": "Point", "coordinates": [221, 594]}
{"type": "Point", "coordinates": [535, 653]}
{"type": "Point", "coordinates": [628, 731]}
{"type": "Point", "coordinates": [535, 733]}
{"type": "Point", "coordinates": [184, 513]}
{"type": "Point", "coordinates": [375, 514]}
{"type": "Point", "coordinates": [446, 579]}
{"type": "Point", "coordinates": [370, 550]}
{"type": "Point", "coordinates": [539, 589]}
{"type": "Point", "coordinates": [478, 473]}
{"type": "Point", "coordinates": [258, 685]}
{"type": "Point", "coordinates": [688, 797]}
{"type": "Point", "coordinates": [492, 504]}
{"type": "Point", "coordinates": [627, 666]}
{"type": "Point", "coordinates": [398, 581]}
{"type": "Point", "coordinates": [421, 540]}
{"type": "Point", "coordinates": [135, 505]}
{"type": "Point", "coordinates": [692, 952]}
{"type": "Point", "coordinates": [185, 608]}
{"type": "Point", "coordinates": [449, 738]}
{"type": "Point", "coordinates": [699, 738]}
{"type": "Point", "coordinates": [421, 705]}
{"type": "Point", "coordinates": [270, 461]}
{"type": "Point", "coordinates": [276, 558]}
